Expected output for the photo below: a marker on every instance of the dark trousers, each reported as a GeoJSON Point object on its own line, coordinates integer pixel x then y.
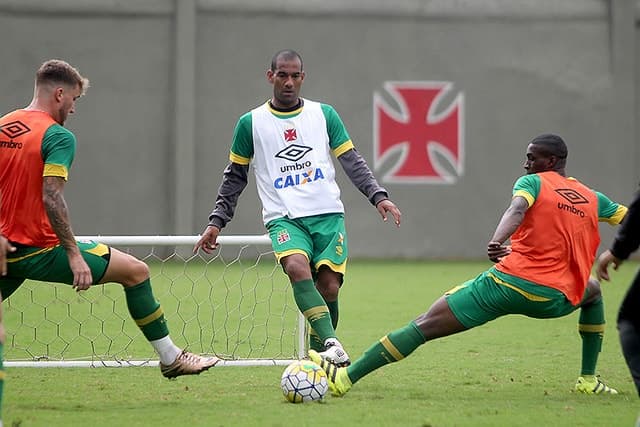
{"type": "Point", "coordinates": [629, 329]}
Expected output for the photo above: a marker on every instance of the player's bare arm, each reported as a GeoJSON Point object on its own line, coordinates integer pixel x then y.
{"type": "Point", "coordinates": [508, 224]}
{"type": "Point", "coordinates": [58, 214]}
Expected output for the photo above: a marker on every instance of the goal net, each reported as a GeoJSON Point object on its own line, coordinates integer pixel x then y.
{"type": "Point", "coordinates": [236, 304]}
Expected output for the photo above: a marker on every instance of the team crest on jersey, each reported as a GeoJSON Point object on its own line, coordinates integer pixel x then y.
{"type": "Point", "coordinates": [419, 133]}
{"type": "Point", "coordinates": [283, 237]}
{"type": "Point", "coordinates": [290, 135]}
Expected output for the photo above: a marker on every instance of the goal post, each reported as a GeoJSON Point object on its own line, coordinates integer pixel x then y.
{"type": "Point", "coordinates": [236, 304]}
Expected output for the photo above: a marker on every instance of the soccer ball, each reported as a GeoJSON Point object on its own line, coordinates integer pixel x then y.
{"type": "Point", "coordinates": [304, 381]}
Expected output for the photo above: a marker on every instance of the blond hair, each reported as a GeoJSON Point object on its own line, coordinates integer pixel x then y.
{"type": "Point", "coordinates": [56, 71]}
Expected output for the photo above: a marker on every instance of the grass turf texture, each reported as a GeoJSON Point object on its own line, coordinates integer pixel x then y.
{"type": "Point", "coordinates": [512, 372]}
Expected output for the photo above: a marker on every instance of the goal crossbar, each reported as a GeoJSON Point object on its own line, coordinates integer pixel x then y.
{"type": "Point", "coordinates": [236, 267]}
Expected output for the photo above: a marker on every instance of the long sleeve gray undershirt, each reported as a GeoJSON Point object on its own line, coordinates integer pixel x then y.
{"type": "Point", "coordinates": [235, 177]}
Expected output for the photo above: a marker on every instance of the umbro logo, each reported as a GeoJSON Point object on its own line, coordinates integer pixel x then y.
{"type": "Point", "coordinates": [14, 129]}
{"type": "Point", "coordinates": [572, 196]}
{"type": "Point", "coordinates": [293, 152]}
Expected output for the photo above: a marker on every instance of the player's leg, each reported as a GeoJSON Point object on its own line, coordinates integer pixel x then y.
{"type": "Point", "coordinates": [146, 311]}
{"type": "Point", "coordinates": [329, 263]}
{"type": "Point", "coordinates": [393, 347]}
{"type": "Point", "coordinates": [293, 247]}
{"type": "Point", "coordinates": [629, 329]}
{"type": "Point", "coordinates": [456, 311]}
{"type": "Point", "coordinates": [328, 283]}
{"type": "Point", "coordinates": [591, 326]}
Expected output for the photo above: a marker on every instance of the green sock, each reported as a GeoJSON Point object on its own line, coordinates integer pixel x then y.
{"type": "Point", "coordinates": [591, 328]}
{"type": "Point", "coordinates": [314, 309]}
{"type": "Point", "coordinates": [146, 311]}
{"type": "Point", "coordinates": [391, 348]}
{"type": "Point", "coordinates": [334, 313]}
{"type": "Point", "coordinates": [314, 341]}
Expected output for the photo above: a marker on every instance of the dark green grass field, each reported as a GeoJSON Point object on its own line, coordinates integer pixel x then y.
{"type": "Point", "coordinates": [512, 372]}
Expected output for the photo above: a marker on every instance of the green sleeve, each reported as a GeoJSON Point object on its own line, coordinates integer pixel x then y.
{"type": "Point", "coordinates": [610, 211]}
{"type": "Point", "coordinates": [338, 134]}
{"type": "Point", "coordinates": [58, 146]}
{"type": "Point", "coordinates": [242, 145]}
{"type": "Point", "coordinates": [527, 186]}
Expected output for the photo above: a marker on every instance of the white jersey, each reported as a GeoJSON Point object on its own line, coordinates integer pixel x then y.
{"type": "Point", "coordinates": [291, 152]}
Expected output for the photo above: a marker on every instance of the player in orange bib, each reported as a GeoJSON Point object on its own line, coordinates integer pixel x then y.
{"type": "Point", "coordinates": [36, 152]}
{"type": "Point", "coordinates": [552, 224]}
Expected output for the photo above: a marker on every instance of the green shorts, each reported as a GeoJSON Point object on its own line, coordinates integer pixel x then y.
{"type": "Point", "coordinates": [494, 294]}
{"type": "Point", "coordinates": [321, 238]}
{"type": "Point", "coordinates": [51, 265]}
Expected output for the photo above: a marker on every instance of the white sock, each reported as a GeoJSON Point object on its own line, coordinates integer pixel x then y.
{"type": "Point", "coordinates": [166, 349]}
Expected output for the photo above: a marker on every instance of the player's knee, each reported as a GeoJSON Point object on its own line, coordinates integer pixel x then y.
{"type": "Point", "coordinates": [594, 291]}
{"type": "Point", "coordinates": [132, 271]}
{"type": "Point", "coordinates": [329, 291]}
{"type": "Point", "coordinates": [328, 286]}
{"type": "Point", "coordinates": [139, 270]}
{"type": "Point", "coordinates": [296, 267]}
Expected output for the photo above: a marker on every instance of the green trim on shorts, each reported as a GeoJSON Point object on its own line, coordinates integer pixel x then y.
{"type": "Point", "coordinates": [322, 238]}
{"type": "Point", "coordinates": [493, 294]}
{"type": "Point", "coordinates": [52, 265]}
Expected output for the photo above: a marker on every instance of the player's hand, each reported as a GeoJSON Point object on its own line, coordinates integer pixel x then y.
{"type": "Point", "coordinates": [385, 207]}
{"type": "Point", "coordinates": [82, 278]}
{"type": "Point", "coordinates": [496, 251]}
{"type": "Point", "coordinates": [208, 242]}
{"type": "Point", "coordinates": [5, 248]}
{"type": "Point", "coordinates": [602, 266]}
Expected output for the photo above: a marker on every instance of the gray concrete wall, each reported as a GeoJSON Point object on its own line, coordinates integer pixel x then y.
{"type": "Point", "coordinates": [169, 79]}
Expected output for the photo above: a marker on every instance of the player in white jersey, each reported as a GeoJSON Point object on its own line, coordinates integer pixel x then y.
{"type": "Point", "coordinates": [289, 141]}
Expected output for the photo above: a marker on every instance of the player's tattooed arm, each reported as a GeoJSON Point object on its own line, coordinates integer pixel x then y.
{"type": "Point", "coordinates": [56, 207]}
{"type": "Point", "coordinates": [57, 211]}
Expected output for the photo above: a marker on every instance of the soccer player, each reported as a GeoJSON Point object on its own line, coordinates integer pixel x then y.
{"type": "Point", "coordinates": [289, 141]}
{"type": "Point", "coordinates": [626, 242]}
{"type": "Point", "coordinates": [552, 223]}
{"type": "Point", "coordinates": [36, 152]}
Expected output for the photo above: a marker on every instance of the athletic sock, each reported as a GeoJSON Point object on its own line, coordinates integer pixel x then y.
{"type": "Point", "coordinates": [591, 329]}
{"type": "Point", "coordinates": [391, 348]}
{"type": "Point", "coordinates": [334, 313]}
{"type": "Point", "coordinates": [314, 309]}
{"type": "Point", "coordinates": [146, 311]}
{"type": "Point", "coordinates": [166, 349]}
{"type": "Point", "coordinates": [315, 343]}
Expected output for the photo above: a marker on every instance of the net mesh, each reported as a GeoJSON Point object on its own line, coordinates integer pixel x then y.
{"type": "Point", "coordinates": [236, 304]}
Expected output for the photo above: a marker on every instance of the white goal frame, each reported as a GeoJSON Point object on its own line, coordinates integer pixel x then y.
{"type": "Point", "coordinates": [177, 242]}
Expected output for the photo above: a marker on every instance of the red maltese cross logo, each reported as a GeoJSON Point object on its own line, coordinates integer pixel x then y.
{"type": "Point", "coordinates": [290, 135]}
{"type": "Point", "coordinates": [420, 133]}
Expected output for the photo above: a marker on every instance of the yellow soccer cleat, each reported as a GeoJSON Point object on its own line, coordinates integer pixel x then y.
{"type": "Point", "coordinates": [339, 381]}
{"type": "Point", "coordinates": [593, 385]}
